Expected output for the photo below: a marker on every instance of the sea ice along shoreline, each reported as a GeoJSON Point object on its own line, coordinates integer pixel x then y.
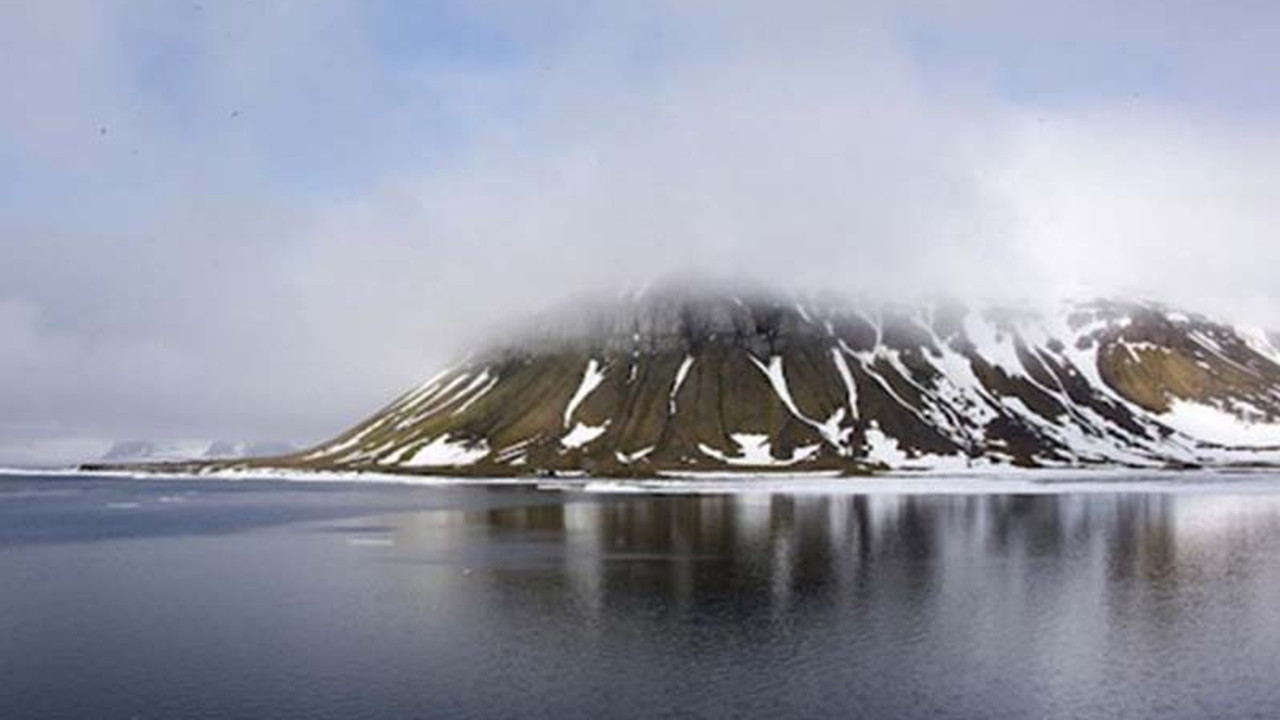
{"type": "Point", "coordinates": [977, 482]}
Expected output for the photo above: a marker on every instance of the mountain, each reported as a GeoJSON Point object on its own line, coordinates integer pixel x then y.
{"type": "Point", "coordinates": [180, 450]}
{"type": "Point", "coordinates": [716, 381]}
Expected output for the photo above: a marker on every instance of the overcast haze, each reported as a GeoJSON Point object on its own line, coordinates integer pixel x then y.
{"type": "Point", "coordinates": [259, 220]}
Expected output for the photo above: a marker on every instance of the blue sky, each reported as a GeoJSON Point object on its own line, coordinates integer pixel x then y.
{"type": "Point", "coordinates": [258, 218]}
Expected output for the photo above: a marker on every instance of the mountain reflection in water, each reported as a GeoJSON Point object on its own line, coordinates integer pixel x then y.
{"type": "Point", "coordinates": [355, 602]}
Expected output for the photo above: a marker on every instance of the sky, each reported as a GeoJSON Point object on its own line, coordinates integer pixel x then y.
{"type": "Point", "coordinates": [260, 219]}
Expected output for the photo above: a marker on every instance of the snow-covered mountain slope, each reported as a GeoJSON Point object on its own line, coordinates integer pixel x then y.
{"type": "Point", "coordinates": [180, 450]}
{"type": "Point", "coordinates": [713, 382]}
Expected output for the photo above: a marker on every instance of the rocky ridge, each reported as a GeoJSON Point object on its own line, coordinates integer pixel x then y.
{"type": "Point", "coordinates": [688, 382]}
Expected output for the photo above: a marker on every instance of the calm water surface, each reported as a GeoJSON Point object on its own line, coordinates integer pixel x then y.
{"type": "Point", "coordinates": [127, 599]}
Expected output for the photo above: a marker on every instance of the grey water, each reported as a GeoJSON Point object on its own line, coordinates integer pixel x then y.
{"type": "Point", "coordinates": [200, 599]}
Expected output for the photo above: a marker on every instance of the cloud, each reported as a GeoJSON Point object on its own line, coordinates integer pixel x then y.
{"type": "Point", "coordinates": [1148, 202]}
{"type": "Point", "coordinates": [261, 219]}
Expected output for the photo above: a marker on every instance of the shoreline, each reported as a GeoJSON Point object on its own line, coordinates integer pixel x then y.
{"type": "Point", "coordinates": [1015, 481]}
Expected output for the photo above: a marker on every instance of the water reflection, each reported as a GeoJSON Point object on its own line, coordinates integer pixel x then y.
{"type": "Point", "coordinates": [517, 603]}
{"type": "Point", "coordinates": [1055, 603]}
{"type": "Point", "coordinates": [771, 554]}
{"type": "Point", "coordinates": [780, 549]}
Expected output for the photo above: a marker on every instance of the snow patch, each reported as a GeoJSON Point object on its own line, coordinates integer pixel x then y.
{"type": "Point", "coordinates": [681, 374]}
{"type": "Point", "coordinates": [343, 446]}
{"type": "Point", "coordinates": [581, 434]}
{"type": "Point", "coordinates": [830, 430]}
{"type": "Point", "coordinates": [886, 450]}
{"type": "Point", "coordinates": [442, 452]}
{"type": "Point", "coordinates": [851, 387]}
{"type": "Point", "coordinates": [514, 453]}
{"type": "Point", "coordinates": [483, 377]}
{"type": "Point", "coordinates": [421, 408]}
{"type": "Point", "coordinates": [881, 448]}
{"type": "Point", "coordinates": [637, 456]}
{"type": "Point", "coordinates": [591, 379]}
{"type": "Point", "coordinates": [1211, 424]}
{"type": "Point", "coordinates": [998, 346]}
{"type": "Point", "coordinates": [754, 450]}
{"type": "Point", "coordinates": [1260, 342]}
